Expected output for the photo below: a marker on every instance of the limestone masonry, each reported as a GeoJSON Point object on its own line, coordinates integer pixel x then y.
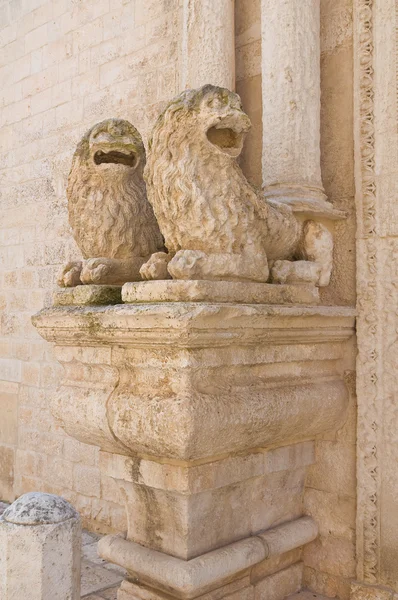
{"type": "Point", "coordinates": [198, 296]}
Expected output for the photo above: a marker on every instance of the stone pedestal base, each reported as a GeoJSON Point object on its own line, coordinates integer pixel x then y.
{"type": "Point", "coordinates": [86, 295]}
{"type": "Point", "coordinates": [205, 411]}
{"type": "Point", "coordinates": [219, 292]}
{"type": "Point", "coordinates": [273, 587]}
{"type": "Point", "coordinates": [252, 565]}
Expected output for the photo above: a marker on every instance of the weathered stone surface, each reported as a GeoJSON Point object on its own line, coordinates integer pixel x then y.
{"type": "Point", "coordinates": [218, 291]}
{"type": "Point", "coordinates": [376, 151]}
{"type": "Point", "coordinates": [237, 590]}
{"type": "Point", "coordinates": [40, 540]}
{"type": "Point", "coordinates": [331, 586]}
{"type": "Point", "coordinates": [37, 508]}
{"type": "Point", "coordinates": [215, 224]}
{"type": "Point", "coordinates": [208, 44]}
{"type": "Point", "coordinates": [370, 592]}
{"type": "Point", "coordinates": [281, 540]}
{"type": "Point", "coordinates": [291, 110]}
{"type": "Point", "coordinates": [205, 573]}
{"type": "Point", "coordinates": [112, 221]}
{"type": "Point", "coordinates": [307, 595]}
{"type": "Point", "coordinates": [201, 381]}
{"type": "Point", "coordinates": [124, 62]}
{"type": "Point", "coordinates": [88, 295]}
{"type": "Point", "coordinates": [191, 425]}
{"type": "Point", "coordinates": [95, 578]}
{"type": "Point", "coordinates": [280, 585]}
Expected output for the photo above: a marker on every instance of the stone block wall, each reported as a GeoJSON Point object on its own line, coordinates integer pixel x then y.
{"type": "Point", "coordinates": [64, 65]}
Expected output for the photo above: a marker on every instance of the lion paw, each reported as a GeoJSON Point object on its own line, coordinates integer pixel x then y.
{"type": "Point", "coordinates": [186, 264]}
{"type": "Point", "coordinates": [96, 271]}
{"type": "Point", "coordinates": [300, 271]}
{"type": "Point", "coordinates": [156, 267]}
{"type": "Point", "coordinates": [70, 274]}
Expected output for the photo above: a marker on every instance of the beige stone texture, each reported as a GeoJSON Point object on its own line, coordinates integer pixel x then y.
{"type": "Point", "coordinates": [40, 538]}
{"type": "Point", "coordinates": [280, 585]}
{"type": "Point", "coordinates": [206, 575]}
{"type": "Point", "coordinates": [331, 493]}
{"type": "Point", "coordinates": [7, 468]}
{"type": "Point", "coordinates": [370, 592]}
{"type": "Point", "coordinates": [147, 430]}
{"type": "Point", "coordinates": [83, 63]}
{"type": "Point", "coordinates": [199, 453]}
{"type": "Point", "coordinates": [306, 595]}
{"type": "Point", "coordinates": [87, 295]}
{"type": "Point", "coordinates": [64, 66]}
{"type": "Point", "coordinates": [274, 564]}
{"type": "Point", "coordinates": [376, 146]}
{"type": "Point", "coordinates": [237, 590]}
{"type": "Point", "coordinates": [218, 291]}
{"type": "Point", "coordinates": [332, 586]}
{"type": "Point", "coordinates": [207, 44]}
{"type": "Point", "coordinates": [290, 34]}
{"type": "Point", "coordinates": [337, 144]}
{"type": "Point", "coordinates": [248, 82]}
{"type": "Point", "coordinates": [112, 222]}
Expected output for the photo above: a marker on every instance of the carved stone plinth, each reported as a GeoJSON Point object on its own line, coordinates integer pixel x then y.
{"type": "Point", "coordinates": [205, 413]}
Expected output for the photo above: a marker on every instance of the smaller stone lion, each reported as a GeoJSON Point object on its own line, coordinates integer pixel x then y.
{"type": "Point", "coordinates": [215, 224]}
{"type": "Point", "coordinates": [111, 219]}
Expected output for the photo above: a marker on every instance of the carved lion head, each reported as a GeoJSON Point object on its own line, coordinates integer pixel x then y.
{"type": "Point", "coordinates": [111, 147]}
{"type": "Point", "coordinates": [107, 203]}
{"type": "Point", "coordinates": [213, 114]}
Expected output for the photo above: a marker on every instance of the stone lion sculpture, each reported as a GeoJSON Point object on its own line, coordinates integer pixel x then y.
{"type": "Point", "coordinates": [215, 224]}
{"type": "Point", "coordinates": [112, 221]}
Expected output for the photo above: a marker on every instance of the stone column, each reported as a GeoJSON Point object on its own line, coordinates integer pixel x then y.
{"type": "Point", "coordinates": [291, 101]}
{"type": "Point", "coordinates": [208, 44]}
{"type": "Point", "coordinates": [40, 540]}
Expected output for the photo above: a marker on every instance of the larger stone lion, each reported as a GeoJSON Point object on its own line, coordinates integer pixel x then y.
{"type": "Point", "coordinates": [111, 219]}
{"type": "Point", "coordinates": [215, 224]}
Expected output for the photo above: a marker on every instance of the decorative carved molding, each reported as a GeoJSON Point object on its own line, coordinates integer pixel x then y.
{"type": "Point", "coordinates": [369, 303]}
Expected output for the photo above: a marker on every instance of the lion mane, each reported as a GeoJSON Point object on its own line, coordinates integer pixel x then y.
{"type": "Point", "coordinates": [199, 194]}
{"type": "Point", "coordinates": [108, 208]}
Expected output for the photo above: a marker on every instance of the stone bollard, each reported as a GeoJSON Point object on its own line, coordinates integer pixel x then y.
{"type": "Point", "coordinates": [40, 541]}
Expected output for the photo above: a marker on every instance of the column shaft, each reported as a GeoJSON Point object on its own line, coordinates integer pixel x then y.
{"type": "Point", "coordinates": [291, 98]}
{"type": "Point", "coordinates": [208, 44]}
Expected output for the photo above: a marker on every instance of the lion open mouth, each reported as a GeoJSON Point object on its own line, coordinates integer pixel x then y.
{"type": "Point", "coordinates": [115, 157]}
{"type": "Point", "coordinates": [226, 139]}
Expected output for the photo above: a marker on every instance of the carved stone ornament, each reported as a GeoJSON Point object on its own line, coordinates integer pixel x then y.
{"type": "Point", "coordinates": [215, 224]}
{"type": "Point", "coordinates": [204, 394]}
{"type": "Point", "coordinates": [112, 222]}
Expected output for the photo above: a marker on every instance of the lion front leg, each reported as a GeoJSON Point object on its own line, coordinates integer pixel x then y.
{"type": "Point", "coordinates": [317, 246]}
{"type": "Point", "coordinates": [316, 251]}
{"type": "Point", "coordinates": [70, 274]}
{"type": "Point", "coordinates": [156, 266]}
{"type": "Point", "coordinates": [195, 264]}
{"type": "Point", "coordinates": [111, 271]}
